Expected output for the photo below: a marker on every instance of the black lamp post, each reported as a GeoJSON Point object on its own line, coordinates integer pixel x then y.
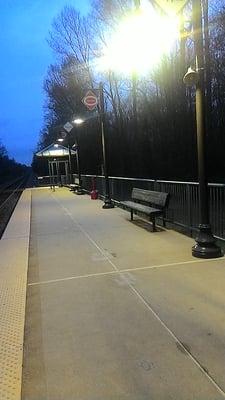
{"type": "Point", "coordinates": [205, 246]}
{"type": "Point", "coordinates": [69, 128]}
{"type": "Point", "coordinates": [107, 201]}
{"type": "Point", "coordinates": [79, 189]}
{"type": "Point", "coordinates": [70, 162]}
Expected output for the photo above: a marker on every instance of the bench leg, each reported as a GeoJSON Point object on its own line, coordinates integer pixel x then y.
{"type": "Point", "coordinates": [153, 224]}
{"type": "Point", "coordinates": [131, 215]}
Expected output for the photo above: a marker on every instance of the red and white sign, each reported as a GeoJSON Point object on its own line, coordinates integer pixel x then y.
{"type": "Point", "coordinates": [90, 100]}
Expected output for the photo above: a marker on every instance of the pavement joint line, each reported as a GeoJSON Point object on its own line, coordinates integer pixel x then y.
{"type": "Point", "coordinates": [194, 359]}
{"type": "Point", "coordinates": [141, 297]}
{"type": "Point", "coordinates": [73, 278]}
{"type": "Point", "coordinates": [194, 261]}
{"type": "Point", "coordinates": [121, 271]}
{"type": "Point", "coordinates": [103, 252]}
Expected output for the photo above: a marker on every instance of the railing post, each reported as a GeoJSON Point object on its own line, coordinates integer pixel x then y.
{"type": "Point", "coordinates": [189, 208]}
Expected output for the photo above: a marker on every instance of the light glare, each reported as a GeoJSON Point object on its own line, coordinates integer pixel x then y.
{"type": "Point", "coordinates": [140, 41]}
{"type": "Point", "coordinates": [78, 121]}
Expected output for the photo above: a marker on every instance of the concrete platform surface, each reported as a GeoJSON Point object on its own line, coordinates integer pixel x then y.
{"type": "Point", "coordinates": [117, 312]}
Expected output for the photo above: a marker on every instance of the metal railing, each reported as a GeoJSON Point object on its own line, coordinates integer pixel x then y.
{"type": "Point", "coordinates": [183, 207]}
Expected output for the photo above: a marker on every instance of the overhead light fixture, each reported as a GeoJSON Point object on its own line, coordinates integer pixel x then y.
{"type": "Point", "coordinates": [191, 77]}
{"type": "Point", "coordinates": [78, 121]}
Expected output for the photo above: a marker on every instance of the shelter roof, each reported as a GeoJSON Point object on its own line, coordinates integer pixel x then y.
{"type": "Point", "coordinates": [54, 150]}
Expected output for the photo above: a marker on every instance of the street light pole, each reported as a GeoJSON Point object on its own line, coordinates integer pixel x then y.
{"type": "Point", "coordinates": [205, 246]}
{"type": "Point", "coordinates": [79, 189]}
{"type": "Point", "coordinates": [70, 164]}
{"type": "Point", "coordinates": [108, 202]}
{"type": "Point", "coordinates": [134, 98]}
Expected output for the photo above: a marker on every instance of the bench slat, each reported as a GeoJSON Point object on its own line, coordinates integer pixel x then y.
{"type": "Point", "coordinates": [140, 207]}
{"type": "Point", "coordinates": [157, 198]}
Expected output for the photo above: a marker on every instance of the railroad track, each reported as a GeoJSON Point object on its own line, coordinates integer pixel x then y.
{"type": "Point", "coordinates": [9, 195]}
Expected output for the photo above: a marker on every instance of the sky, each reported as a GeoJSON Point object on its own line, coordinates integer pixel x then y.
{"type": "Point", "coordinates": [25, 57]}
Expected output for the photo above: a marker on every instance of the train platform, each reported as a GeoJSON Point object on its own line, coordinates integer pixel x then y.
{"type": "Point", "coordinates": [113, 310]}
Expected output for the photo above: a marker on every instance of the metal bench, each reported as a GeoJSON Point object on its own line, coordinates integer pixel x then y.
{"type": "Point", "coordinates": [72, 186]}
{"type": "Point", "coordinates": [148, 202]}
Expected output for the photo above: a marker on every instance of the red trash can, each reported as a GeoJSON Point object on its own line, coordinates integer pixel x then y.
{"type": "Point", "coordinates": [94, 192]}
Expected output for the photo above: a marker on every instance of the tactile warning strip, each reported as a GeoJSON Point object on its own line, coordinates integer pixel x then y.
{"type": "Point", "coordinates": [13, 281]}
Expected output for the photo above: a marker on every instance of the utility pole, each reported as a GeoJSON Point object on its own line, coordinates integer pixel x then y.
{"type": "Point", "coordinates": [79, 190]}
{"type": "Point", "coordinates": [108, 201]}
{"type": "Point", "coordinates": [205, 246]}
{"type": "Point", "coordinates": [70, 162]}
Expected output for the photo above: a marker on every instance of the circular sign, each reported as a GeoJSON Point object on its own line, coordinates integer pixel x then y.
{"type": "Point", "coordinates": [90, 100]}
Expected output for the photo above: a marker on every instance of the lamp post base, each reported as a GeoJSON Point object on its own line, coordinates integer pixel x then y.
{"type": "Point", "coordinates": [108, 204]}
{"type": "Point", "coordinates": [205, 246]}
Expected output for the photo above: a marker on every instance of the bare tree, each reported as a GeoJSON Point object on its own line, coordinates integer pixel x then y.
{"type": "Point", "coordinates": [161, 142]}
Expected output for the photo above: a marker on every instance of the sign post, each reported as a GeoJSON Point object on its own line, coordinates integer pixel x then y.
{"type": "Point", "coordinates": [91, 101]}
{"type": "Point", "coordinates": [67, 129]}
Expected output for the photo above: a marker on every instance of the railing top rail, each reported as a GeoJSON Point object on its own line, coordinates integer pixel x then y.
{"type": "Point", "coordinates": [217, 184]}
{"type": "Point", "coordinates": [210, 184]}
{"type": "Point", "coordinates": [120, 178]}
{"type": "Point", "coordinates": [177, 182]}
{"type": "Point", "coordinates": [48, 176]}
{"type": "Point", "coordinates": [155, 180]}
{"type": "Point", "coordinates": [192, 183]}
{"type": "Point", "coordinates": [132, 179]}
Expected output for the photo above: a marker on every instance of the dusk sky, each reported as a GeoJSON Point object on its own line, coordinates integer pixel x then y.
{"type": "Point", "coordinates": [25, 56]}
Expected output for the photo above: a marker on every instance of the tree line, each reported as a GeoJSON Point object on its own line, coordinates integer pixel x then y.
{"type": "Point", "coordinates": [150, 120]}
{"type": "Point", "coordinates": [9, 168]}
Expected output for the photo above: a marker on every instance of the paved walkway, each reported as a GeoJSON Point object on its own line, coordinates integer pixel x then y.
{"type": "Point", "coordinates": [116, 312]}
